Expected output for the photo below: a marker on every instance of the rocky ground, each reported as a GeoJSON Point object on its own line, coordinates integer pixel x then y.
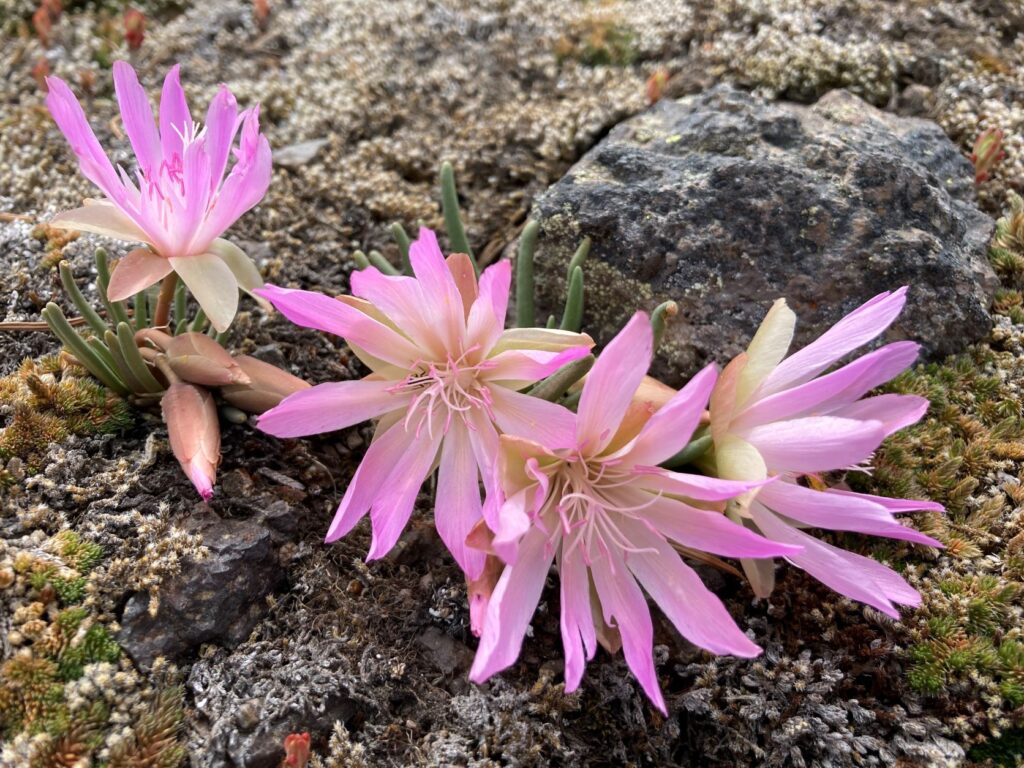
{"type": "Point", "coordinates": [140, 627]}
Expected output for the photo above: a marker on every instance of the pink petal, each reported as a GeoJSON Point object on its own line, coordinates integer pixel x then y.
{"type": "Point", "coordinates": [137, 116]}
{"type": "Point", "coordinates": [623, 603]}
{"type": "Point", "coordinates": [331, 406]}
{"type": "Point", "coordinates": [396, 497]}
{"type": "Point", "coordinates": [855, 576]}
{"type": "Point", "coordinates": [670, 428]}
{"type": "Point", "coordinates": [695, 611]}
{"type": "Point", "coordinates": [549, 424]}
{"type": "Point", "coordinates": [516, 368]}
{"type": "Point", "coordinates": [483, 438]}
{"type": "Point", "coordinates": [457, 507]}
{"type": "Point", "coordinates": [101, 218]}
{"type": "Point", "coordinates": [487, 314]}
{"type": "Point", "coordinates": [221, 126]}
{"type": "Point", "coordinates": [893, 505]}
{"type": "Point", "coordinates": [706, 531]}
{"type": "Point", "coordinates": [439, 288]}
{"type": "Point", "coordinates": [137, 271]}
{"type": "Point", "coordinates": [856, 329]}
{"type": "Point", "coordinates": [314, 310]}
{"type": "Point", "coordinates": [401, 299]}
{"type": "Point", "coordinates": [213, 285]}
{"type": "Point", "coordinates": [196, 183]}
{"type": "Point", "coordinates": [821, 395]}
{"type": "Point", "coordinates": [816, 443]}
{"type": "Point", "coordinates": [244, 187]}
{"type": "Point", "coordinates": [175, 119]}
{"type": "Point", "coordinates": [894, 411]}
{"type": "Point", "coordinates": [579, 639]}
{"type": "Point", "coordinates": [697, 487]}
{"type": "Point", "coordinates": [385, 452]}
{"type": "Point", "coordinates": [512, 605]}
{"type": "Point", "coordinates": [92, 160]}
{"type": "Point", "coordinates": [611, 383]}
{"type": "Point", "coordinates": [837, 512]}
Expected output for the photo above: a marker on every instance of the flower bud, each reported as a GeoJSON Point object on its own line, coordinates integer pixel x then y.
{"type": "Point", "coordinates": [197, 358]}
{"type": "Point", "coordinates": [268, 386]}
{"type": "Point", "coordinates": [194, 431]}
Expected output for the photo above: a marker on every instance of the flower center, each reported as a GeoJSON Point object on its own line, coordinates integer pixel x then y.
{"type": "Point", "coordinates": [446, 390]}
{"type": "Point", "coordinates": [590, 497]}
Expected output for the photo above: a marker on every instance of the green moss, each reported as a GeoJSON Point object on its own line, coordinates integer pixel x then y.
{"type": "Point", "coordinates": [97, 645]}
{"type": "Point", "coordinates": [1007, 751]}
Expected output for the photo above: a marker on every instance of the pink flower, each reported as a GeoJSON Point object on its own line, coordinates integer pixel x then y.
{"type": "Point", "coordinates": [179, 203]}
{"type": "Point", "coordinates": [776, 415]}
{"type": "Point", "coordinates": [592, 499]}
{"type": "Point", "coordinates": [445, 380]}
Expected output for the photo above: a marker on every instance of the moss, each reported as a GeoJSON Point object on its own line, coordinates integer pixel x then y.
{"type": "Point", "coordinates": [51, 399]}
{"type": "Point", "coordinates": [1007, 751]}
{"type": "Point", "coordinates": [32, 696]}
{"type": "Point", "coordinates": [155, 740]}
{"type": "Point", "coordinates": [96, 645]}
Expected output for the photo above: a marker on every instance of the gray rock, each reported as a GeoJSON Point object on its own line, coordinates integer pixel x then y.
{"type": "Point", "coordinates": [724, 202]}
{"type": "Point", "coordinates": [218, 600]}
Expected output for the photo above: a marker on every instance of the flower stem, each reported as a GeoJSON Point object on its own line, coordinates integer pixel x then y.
{"type": "Point", "coordinates": [163, 304]}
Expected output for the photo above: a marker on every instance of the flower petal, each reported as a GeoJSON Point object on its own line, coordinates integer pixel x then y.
{"type": "Point", "coordinates": [100, 218]}
{"type": "Point", "coordinates": [512, 605]}
{"type": "Point", "coordinates": [707, 531]}
{"type": "Point", "coordinates": [385, 452]}
{"type": "Point", "coordinates": [137, 117]}
{"type": "Point", "coordinates": [175, 120]}
{"type": "Point", "coordinates": [137, 271]}
{"type": "Point", "coordinates": [579, 638]}
{"type": "Point", "coordinates": [856, 329]}
{"type": "Point", "coordinates": [895, 506]}
{"type": "Point", "coordinates": [457, 507]}
{"type": "Point", "coordinates": [221, 125]}
{"type": "Point", "coordinates": [837, 512]}
{"type": "Point", "coordinates": [549, 424]}
{"type": "Point", "coordinates": [823, 394]}
{"type": "Point", "coordinates": [487, 314]}
{"type": "Point", "coordinates": [516, 368]}
{"type": "Point", "coordinates": [815, 443]}
{"type": "Point", "coordinates": [697, 487]}
{"type": "Point", "coordinates": [212, 284]}
{"type": "Point", "coordinates": [671, 427]}
{"type": "Point", "coordinates": [242, 267]}
{"type": "Point", "coordinates": [395, 499]}
{"type": "Point", "coordinates": [624, 603]}
{"type": "Point", "coordinates": [611, 383]}
{"type": "Point", "coordinates": [439, 288]}
{"type": "Point", "coordinates": [401, 299]}
{"type": "Point", "coordinates": [894, 411]}
{"type": "Point", "coordinates": [314, 310]}
{"type": "Point", "coordinates": [736, 459]}
{"type": "Point", "coordinates": [696, 612]}
{"type": "Point", "coordinates": [766, 349]}
{"type": "Point", "coordinates": [855, 576]}
{"type": "Point", "coordinates": [540, 339]}
{"type": "Point", "coordinates": [92, 160]}
{"type": "Point", "coordinates": [331, 406]}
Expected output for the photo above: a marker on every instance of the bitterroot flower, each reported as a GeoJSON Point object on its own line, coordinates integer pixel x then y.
{"type": "Point", "coordinates": [179, 202]}
{"type": "Point", "coordinates": [592, 499]}
{"type": "Point", "coordinates": [445, 380]}
{"type": "Point", "coordinates": [773, 415]}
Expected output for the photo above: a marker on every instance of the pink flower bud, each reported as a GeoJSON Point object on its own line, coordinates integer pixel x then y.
{"type": "Point", "coordinates": [268, 386]}
{"type": "Point", "coordinates": [198, 359]}
{"type": "Point", "coordinates": [194, 431]}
